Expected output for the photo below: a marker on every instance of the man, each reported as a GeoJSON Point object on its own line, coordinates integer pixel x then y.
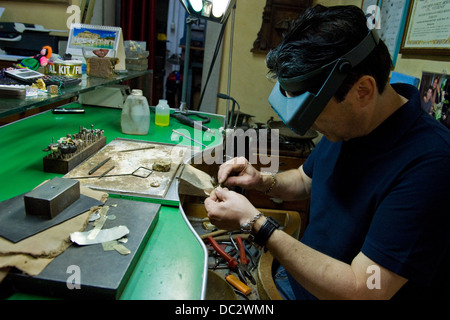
{"type": "Point", "coordinates": [436, 90]}
{"type": "Point", "coordinates": [427, 102]}
{"type": "Point", "coordinates": [378, 228]}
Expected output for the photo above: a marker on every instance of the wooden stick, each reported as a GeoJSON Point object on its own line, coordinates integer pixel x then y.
{"type": "Point", "coordinates": [218, 235]}
{"type": "Point", "coordinates": [213, 234]}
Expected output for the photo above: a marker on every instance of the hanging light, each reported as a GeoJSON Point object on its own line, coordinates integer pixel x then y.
{"type": "Point", "coordinates": [220, 7]}
{"type": "Point", "coordinates": [197, 5]}
{"type": "Point", "coordinates": [214, 10]}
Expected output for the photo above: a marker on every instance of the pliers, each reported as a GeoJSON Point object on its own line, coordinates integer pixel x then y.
{"type": "Point", "coordinates": [241, 269]}
{"type": "Point", "coordinates": [244, 260]}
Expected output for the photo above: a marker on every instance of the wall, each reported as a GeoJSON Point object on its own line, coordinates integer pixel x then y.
{"type": "Point", "coordinates": [50, 15]}
{"type": "Point", "coordinates": [54, 16]}
{"type": "Point", "coordinates": [249, 85]}
{"type": "Point", "coordinates": [104, 13]}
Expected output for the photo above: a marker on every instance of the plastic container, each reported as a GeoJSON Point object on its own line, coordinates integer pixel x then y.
{"type": "Point", "coordinates": [135, 114]}
{"type": "Point", "coordinates": [162, 114]}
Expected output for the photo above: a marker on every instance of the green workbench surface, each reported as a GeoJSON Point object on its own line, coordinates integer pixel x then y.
{"type": "Point", "coordinates": [172, 263]}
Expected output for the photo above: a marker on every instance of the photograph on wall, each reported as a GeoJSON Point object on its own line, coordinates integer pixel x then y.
{"type": "Point", "coordinates": [435, 93]}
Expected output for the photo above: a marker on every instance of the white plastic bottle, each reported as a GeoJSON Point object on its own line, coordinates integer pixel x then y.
{"type": "Point", "coordinates": [162, 114]}
{"type": "Point", "coordinates": [135, 114]}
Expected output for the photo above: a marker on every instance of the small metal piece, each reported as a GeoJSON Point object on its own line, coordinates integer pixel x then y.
{"type": "Point", "coordinates": [155, 184]}
{"type": "Point", "coordinates": [138, 149]}
{"type": "Point", "coordinates": [81, 238]}
{"type": "Point", "coordinates": [106, 172]}
{"type": "Point", "coordinates": [99, 166]}
{"type": "Point", "coordinates": [120, 248]}
{"type": "Point", "coordinates": [142, 172]}
{"type": "Point", "coordinates": [100, 223]}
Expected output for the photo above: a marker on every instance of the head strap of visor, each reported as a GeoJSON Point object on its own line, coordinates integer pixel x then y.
{"type": "Point", "coordinates": [352, 58]}
{"type": "Point", "coordinates": [300, 112]}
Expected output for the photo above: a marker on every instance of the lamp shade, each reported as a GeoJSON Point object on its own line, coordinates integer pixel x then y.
{"type": "Point", "coordinates": [213, 10]}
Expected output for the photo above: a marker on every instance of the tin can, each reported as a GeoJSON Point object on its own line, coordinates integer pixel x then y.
{"type": "Point", "coordinates": [70, 68]}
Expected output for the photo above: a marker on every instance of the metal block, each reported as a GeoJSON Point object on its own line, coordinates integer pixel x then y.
{"type": "Point", "coordinates": [52, 198]}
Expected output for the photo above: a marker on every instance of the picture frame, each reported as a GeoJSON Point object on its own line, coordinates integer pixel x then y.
{"type": "Point", "coordinates": [434, 96]}
{"type": "Point", "coordinates": [427, 30]}
{"type": "Point", "coordinates": [85, 36]}
{"type": "Point", "coordinates": [390, 18]}
{"type": "Point", "coordinates": [276, 19]}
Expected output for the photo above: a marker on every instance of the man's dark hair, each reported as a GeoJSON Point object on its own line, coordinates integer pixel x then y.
{"type": "Point", "coordinates": [322, 35]}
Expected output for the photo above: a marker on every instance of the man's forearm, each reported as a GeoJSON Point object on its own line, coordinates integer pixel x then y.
{"type": "Point", "coordinates": [289, 186]}
{"type": "Point", "coordinates": [326, 277]}
{"type": "Point", "coordinates": [323, 276]}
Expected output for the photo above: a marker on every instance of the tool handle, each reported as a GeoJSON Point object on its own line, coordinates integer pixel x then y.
{"type": "Point", "coordinates": [187, 121]}
{"type": "Point", "coordinates": [232, 262]}
{"type": "Point", "coordinates": [235, 282]}
{"type": "Point", "coordinates": [213, 234]}
{"type": "Point", "coordinates": [244, 259]}
{"type": "Point", "coordinates": [183, 119]}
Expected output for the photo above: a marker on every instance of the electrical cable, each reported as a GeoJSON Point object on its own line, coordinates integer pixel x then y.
{"type": "Point", "coordinates": [213, 61]}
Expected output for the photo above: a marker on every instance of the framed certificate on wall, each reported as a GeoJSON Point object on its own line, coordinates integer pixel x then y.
{"type": "Point", "coordinates": [428, 28]}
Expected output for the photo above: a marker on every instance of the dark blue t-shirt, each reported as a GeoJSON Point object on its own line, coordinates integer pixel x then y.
{"type": "Point", "coordinates": [386, 195]}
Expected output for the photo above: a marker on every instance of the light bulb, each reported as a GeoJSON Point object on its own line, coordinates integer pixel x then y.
{"type": "Point", "coordinates": [197, 5]}
{"type": "Point", "coordinates": [219, 7]}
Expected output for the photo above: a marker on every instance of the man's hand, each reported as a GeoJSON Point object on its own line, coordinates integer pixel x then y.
{"type": "Point", "coordinates": [238, 172]}
{"type": "Point", "coordinates": [228, 210]}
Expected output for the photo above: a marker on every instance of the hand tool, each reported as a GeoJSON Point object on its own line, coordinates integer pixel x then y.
{"type": "Point", "coordinates": [232, 262]}
{"type": "Point", "coordinates": [99, 166]}
{"type": "Point", "coordinates": [183, 118]}
{"type": "Point", "coordinates": [138, 149]}
{"type": "Point", "coordinates": [244, 261]}
{"type": "Point", "coordinates": [183, 135]}
{"type": "Point", "coordinates": [106, 172]}
{"type": "Point", "coordinates": [68, 111]}
{"type": "Point", "coordinates": [213, 234]}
